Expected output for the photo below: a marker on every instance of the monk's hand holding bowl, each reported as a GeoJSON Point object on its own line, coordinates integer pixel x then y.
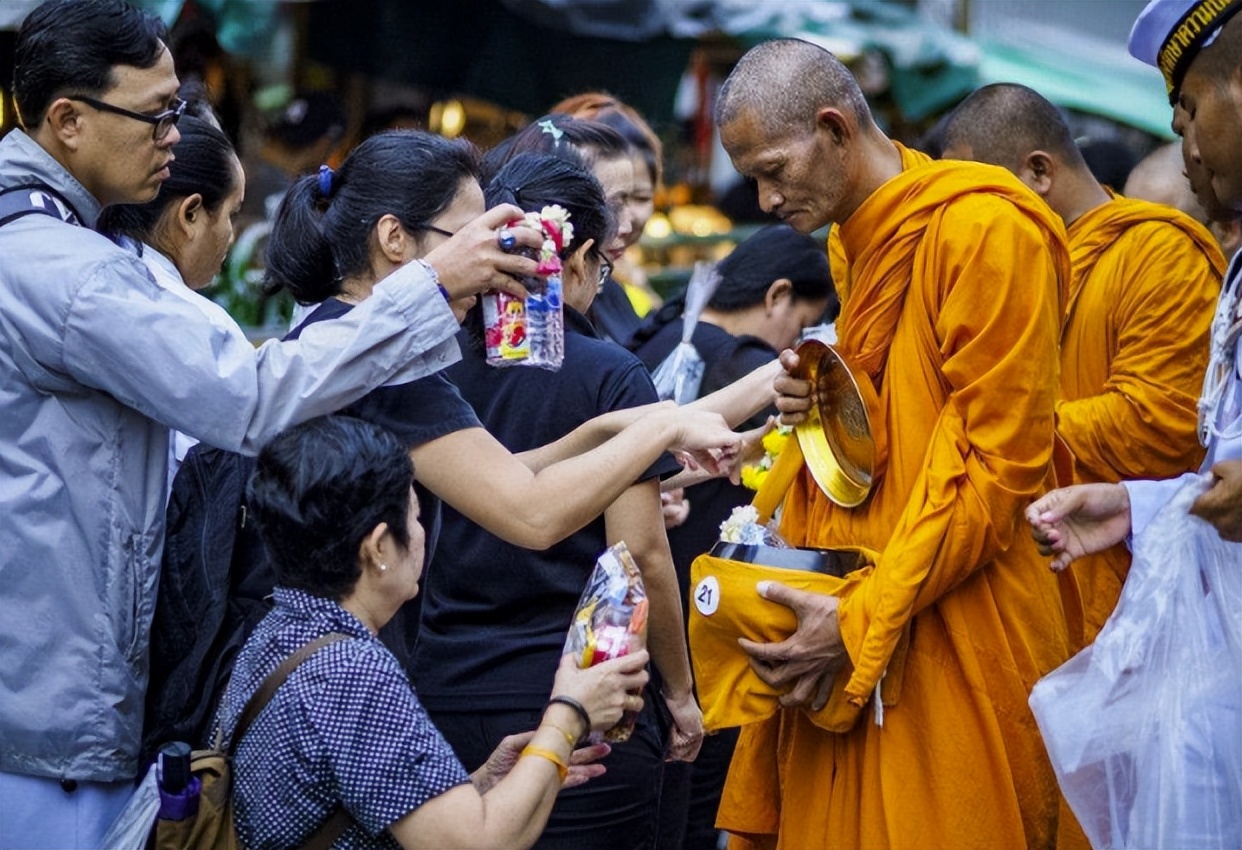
{"type": "Point", "coordinates": [806, 661]}
{"type": "Point", "coordinates": [793, 395]}
{"type": "Point", "coordinates": [1075, 521]}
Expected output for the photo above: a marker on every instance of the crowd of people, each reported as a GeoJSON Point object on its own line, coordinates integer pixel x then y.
{"type": "Point", "coordinates": [1051, 360]}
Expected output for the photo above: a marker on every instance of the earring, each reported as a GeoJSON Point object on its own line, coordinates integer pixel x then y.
{"type": "Point", "coordinates": [383, 567]}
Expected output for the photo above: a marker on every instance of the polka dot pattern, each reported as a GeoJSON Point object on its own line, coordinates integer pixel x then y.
{"type": "Point", "coordinates": [345, 729]}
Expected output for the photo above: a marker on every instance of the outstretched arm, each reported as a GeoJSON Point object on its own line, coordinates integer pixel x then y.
{"type": "Point", "coordinates": [479, 477]}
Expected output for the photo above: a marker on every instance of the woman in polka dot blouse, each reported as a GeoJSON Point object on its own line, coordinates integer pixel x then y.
{"type": "Point", "coordinates": [334, 504]}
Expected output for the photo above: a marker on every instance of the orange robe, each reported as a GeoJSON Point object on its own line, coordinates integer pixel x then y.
{"type": "Point", "coordinates": [952, 300]}
{"type": "Point", "coordinates": [1144, 283]}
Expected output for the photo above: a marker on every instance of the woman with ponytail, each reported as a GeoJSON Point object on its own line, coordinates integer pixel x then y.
{"type": "Point", "coordinates": [496, 615]}
{"type": "Point", "coordinates": [398, 200]}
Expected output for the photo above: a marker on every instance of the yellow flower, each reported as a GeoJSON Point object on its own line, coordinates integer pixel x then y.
{"type": "Point", "coordinates": [775, 440]}
{"type": "Point", "coordinates": [753, 476]}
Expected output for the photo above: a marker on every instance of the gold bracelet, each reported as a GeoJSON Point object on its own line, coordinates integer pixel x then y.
{"type": "Point", "coordinates": [562, 769]}
{"type": "Point", "coordinates": [569, 739]}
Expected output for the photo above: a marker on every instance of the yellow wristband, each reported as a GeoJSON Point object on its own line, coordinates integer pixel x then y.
{"type": "Point", "coordinates": [569, 739]}
{"type": "Point", "coordinates": [562, 769]}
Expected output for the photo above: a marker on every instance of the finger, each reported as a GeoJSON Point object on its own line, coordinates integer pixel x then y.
{"type": "Point", "coordinates": [775, 677]}
{"type": "Point", "coordinates": [804, 688]}
{"type": "Point", "coordinates": [580, 775]}
{"type": "Point", "coordinates": [825, 691]}
{"type": "Point", "coordinates": [518, 740]}
{"type": "Point", "coordinates": [789, 360]}
{"type": "Point", "coordinates": [783, 594]}
{"type": "Point", "coordinates": [631, 664]}
{"type": "Point", "coordinates": [766, 653]}
{"type": "Point", "coordinates": [501, 215]}
{"type": "Point", "coordinates": [590, 753]}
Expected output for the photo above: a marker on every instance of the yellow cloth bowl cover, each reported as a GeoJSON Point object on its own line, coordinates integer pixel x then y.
{"type": "Point", "coordinates": [724, 606]}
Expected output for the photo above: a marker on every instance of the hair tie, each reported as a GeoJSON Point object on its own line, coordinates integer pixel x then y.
{"type": "Point", "coordinates": [551, 129]}
{"type": "Point", "coordinates": [326, 175]}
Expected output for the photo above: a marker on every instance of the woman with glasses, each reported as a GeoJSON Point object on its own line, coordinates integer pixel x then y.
{"type": "Point", "coordinates": [612, 159]}
{"type": "Point", "coordinates": [394, 199]}
{"type": "Point", "coordinates": [495, 615]}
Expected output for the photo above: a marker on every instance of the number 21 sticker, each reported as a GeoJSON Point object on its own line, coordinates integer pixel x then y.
{"type": "Point", "coordinates": [707, 596]}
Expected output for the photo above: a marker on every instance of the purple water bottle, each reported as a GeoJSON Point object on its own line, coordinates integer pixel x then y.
{"type": "Point", "coordinates": [179, 788]}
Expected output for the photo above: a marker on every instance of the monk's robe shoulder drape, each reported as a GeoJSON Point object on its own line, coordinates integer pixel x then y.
{"type": "Point", "coordinates": [957, 279]}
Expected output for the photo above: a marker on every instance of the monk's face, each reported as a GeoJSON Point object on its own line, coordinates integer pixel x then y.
{"type": "Point", "coordinates": [1208, 117]}
{"type": "Point", "coordinates": [801, 172]}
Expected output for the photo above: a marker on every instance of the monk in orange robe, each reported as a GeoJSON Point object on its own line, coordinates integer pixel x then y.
{"type": "Point", "coordinates": [953, 278]}
{"type": "Point", "coordinates": [1144, 283]}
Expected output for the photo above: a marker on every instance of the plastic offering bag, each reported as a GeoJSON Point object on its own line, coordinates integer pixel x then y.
{"type": "Point", "coordinates": [1144, 727]}
{"type": "Point", "coordinates": [678, 376]}
{"type": "Point", "coordinates": [132, 827]}
{"type": "Point", "coordinates": [532, 332]}
{"type": "Point", "coordinates": [610, 621]}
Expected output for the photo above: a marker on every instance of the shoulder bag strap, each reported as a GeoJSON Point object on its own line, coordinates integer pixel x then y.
{"type": "Point", "coordinates": [35, 198]}
{"type": "Point", "coordinates": [325, 836]}
{"type": "Point", "coordinates": [259, 700]}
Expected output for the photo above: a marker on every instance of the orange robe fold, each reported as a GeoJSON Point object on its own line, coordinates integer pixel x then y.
{"type": "Point", "coordinates": [954, 286]}
{"type": "Point", "coordinates": [1145, 279]}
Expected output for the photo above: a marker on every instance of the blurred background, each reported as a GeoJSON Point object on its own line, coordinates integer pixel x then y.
{"type": "Point", "coordinates": [317, 76]}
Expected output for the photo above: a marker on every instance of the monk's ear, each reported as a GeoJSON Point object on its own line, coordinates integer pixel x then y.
{"type": "Point", "coordinates": [1038, 170]}
{"type": "Point", "coordinates": [836, 123]}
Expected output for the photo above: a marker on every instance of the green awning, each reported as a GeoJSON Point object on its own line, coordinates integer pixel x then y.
{"type": "Point", "coordinates": [1105, 81]}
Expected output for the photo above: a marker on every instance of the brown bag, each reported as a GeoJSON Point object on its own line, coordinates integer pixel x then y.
{"type": "Point", "coordinates": [212, 827]}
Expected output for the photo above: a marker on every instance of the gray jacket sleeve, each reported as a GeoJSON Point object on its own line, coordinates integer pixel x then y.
{"type": "Point", "coordinates": [161, 355]}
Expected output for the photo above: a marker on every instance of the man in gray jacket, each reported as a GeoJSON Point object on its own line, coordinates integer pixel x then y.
{"type": "Point", "coordinates": [97, 362]}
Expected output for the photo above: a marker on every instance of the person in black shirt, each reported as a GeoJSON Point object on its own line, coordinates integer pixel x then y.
{"type": "Point", "coordinates": [773, 286]}
{"type": "Point", "coordinates": [396, 197]}
{"type": "Point", "coordinates": [496, 615]}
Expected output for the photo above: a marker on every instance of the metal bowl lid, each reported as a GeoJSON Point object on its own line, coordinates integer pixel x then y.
{"type": "Point", "coordinates": [837, 438]}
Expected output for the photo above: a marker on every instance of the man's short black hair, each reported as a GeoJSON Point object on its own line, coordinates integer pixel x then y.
{"type": "Point", "coordinates": [71, 47]}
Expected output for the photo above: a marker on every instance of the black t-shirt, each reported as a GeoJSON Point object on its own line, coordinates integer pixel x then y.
{"type": "Point", "coordinates": [495, 615]}
{"type": "Point", "coordinates": [726, 358]}
{"type": "Point", "coordinates": [612, 313]}
{"type": "Point", "coordinates": [416, 412]}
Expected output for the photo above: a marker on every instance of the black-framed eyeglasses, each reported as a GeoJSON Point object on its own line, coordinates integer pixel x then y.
{"type": "Point", "coordinates": [161, 122]}
{"type": "Point", "coordinates": [605, 270]}
{"type": "Point", "coordinates": [450, 234]}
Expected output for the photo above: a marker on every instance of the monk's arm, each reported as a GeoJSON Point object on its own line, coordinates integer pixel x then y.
{"type": "Point", "coordinates": [991, 445]}
{"type": "Point", "coordinates": [1143, 425]}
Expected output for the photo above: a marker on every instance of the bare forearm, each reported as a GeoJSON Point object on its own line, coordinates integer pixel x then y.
{"type": "Point", "coordinates": [588, 436]}
{"type": "Point", "coordinates": [745, 397]}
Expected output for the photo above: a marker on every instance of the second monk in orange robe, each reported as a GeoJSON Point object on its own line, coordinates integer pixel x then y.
{"type": "Point", "coordinates": [1145, 279]}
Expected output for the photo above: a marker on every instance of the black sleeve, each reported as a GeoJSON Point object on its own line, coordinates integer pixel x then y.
{"type": "Point", "coordinates": [417, 412]}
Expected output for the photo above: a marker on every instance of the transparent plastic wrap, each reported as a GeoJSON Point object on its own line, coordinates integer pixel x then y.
{"type": "Point", "coordinates": [1144, 727]}
{"type": "Point", "coordinates": [610, 621]}
{"type": "Point", "coordinates": [532, 332]}
{"type": "Point", "coordinates": [680, 373]}
{"type": "Point", "coordinates": [132, 828]}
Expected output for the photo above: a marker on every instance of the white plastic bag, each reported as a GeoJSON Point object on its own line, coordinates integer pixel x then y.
{"type": "Point", "coordinates": [680, 373]}
{"type": "Point", "coordinates": [133, 825]}
{"type": "Point", "coordinates": [1144, 727]}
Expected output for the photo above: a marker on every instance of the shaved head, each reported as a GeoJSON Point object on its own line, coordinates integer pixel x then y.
{"type": "Point", "coordinates": [791, 80]}
{"type": "Point", "coordinates": [1000, 124]}
{"type": "Point", "coordinates": [1161, 177]}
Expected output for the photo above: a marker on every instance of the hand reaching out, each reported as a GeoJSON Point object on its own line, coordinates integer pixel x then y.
{"type": "Point", "coordinates": [1075, 521]}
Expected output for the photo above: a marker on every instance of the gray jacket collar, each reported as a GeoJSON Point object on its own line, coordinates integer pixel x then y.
{"type": "Point", "coordinates": [22, 159]}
